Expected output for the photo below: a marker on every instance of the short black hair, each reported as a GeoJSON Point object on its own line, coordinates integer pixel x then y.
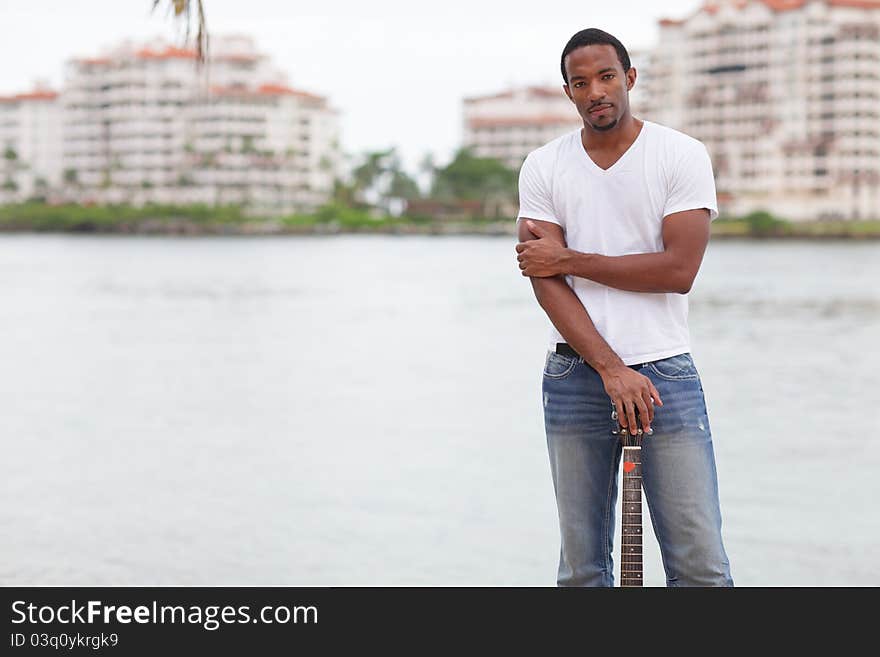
{"type": "Point", "coordinates": [591, 37]}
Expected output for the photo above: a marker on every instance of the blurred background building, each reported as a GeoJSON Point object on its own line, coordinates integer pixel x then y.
{"type": "Point", "coordinates": [784, 93]}
{"type": "Point", "coordinates": [140, 123]}
{"type": "Point", "coordinates": [786, 96]}
{"type": "Point", "coordinates": [508, 125]}
{"type": "Point", "coordinates": [30, 140]}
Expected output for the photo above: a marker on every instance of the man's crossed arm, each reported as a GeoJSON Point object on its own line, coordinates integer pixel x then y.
{"type": "Point", "coordinates": [685, 236]}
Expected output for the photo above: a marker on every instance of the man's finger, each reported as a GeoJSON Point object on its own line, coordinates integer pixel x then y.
{"type": "Point", "coordinates": [646, 400]}
{"type": "Point", "coordinates": [621, 414]}
{"type": "Point", "coordinates": [632, 425]}
{"type": "Point", "coordinates": [655, 395]}
{"type": "Point", "coordinates": [643, 414]}
{"type": "Point", "coordinates": [534, 229]}
{"type": "Point", "coordinates": [520, 247]}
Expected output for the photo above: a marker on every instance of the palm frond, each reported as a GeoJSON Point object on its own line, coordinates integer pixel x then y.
{"type": "Point", "coordinates": [183, 11]}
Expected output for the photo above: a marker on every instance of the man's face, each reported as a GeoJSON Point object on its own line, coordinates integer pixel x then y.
{"type": "Point", "coordinates": [598, 85]}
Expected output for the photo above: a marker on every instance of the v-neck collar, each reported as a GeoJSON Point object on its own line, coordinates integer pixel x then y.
{"type": "Point", "coordinates": [618, 162]}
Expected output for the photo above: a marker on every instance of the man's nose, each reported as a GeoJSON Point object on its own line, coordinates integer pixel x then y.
{"type": "Point", "coordinates": [596, 93]}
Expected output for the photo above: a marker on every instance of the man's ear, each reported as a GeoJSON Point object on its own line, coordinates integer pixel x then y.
{"type": "Point", "coordinates": [631, 78]}
{"type": "Point", "coordinates": [567, 92]}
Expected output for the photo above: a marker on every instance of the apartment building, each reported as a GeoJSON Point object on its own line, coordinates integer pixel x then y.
{"type": "Point", "coordinates": [786, 96]}
{"type": "Point", "coordinates": [142, 123]}
{"type": "Point", "coordinates": [30, 143]}
{"type": "Point", "coordinates": [509, 125]}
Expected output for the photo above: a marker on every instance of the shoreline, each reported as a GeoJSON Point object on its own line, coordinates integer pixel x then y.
{"type": "Point", "coordinates": [185, 228]}
{"type": "Point", "coordinates": [339, 219]}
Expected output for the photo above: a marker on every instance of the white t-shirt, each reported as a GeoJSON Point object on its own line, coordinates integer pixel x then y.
{"type": "Point", "coordinates": [620, 211]}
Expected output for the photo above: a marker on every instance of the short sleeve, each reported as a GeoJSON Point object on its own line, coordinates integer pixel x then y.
{"type": "Point", "coordinates": [535, 199]}
{"type": "Point", "coordinates": [692, 186]}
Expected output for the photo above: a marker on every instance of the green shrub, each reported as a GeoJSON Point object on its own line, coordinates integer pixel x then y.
{"type": "Point", "coordinates": [763, 223]}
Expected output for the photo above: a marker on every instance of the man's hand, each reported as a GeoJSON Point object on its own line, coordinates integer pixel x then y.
{"type": "Point", "coordinates": [541, 257]}
{"type": "Point", "coordinates": [631, 392]}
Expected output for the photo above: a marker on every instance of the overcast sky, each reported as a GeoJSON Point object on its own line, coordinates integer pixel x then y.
{"type": "Point", "coordinates": [396, 72]}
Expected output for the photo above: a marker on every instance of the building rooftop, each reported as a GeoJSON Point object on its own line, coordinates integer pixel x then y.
{"type": "Point", "coordinates": [37, 94]}
{"type": "Point", "coordinates": [533, 91]}
{"type": "Point", "coordinates": [713, 6]}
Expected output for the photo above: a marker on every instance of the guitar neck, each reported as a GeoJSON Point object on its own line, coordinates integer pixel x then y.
{"type": "Point", "coordinates": [631, 518]}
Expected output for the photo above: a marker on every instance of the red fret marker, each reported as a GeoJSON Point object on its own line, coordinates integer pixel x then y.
{"type": "Point", "coordinates": [628, 466]}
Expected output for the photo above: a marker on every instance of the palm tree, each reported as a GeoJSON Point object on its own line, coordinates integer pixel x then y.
{"type": "Point", "coordinates": [184, 10]}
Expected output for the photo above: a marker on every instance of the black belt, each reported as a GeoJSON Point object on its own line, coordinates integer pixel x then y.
{"type": "Point", "coordinates": [565, 349]}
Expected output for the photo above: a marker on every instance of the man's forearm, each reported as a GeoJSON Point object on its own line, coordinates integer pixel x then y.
{"type": "Point", "coordinates": [573, 322]}
{"type": "Point", "coordinates": [639, 272]}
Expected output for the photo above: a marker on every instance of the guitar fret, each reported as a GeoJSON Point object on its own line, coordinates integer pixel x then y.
{"type": "Point", "coordinates": [631, 515]}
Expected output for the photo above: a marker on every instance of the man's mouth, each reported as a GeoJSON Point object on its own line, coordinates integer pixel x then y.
{"type": "Point", "coordinates": [598, 110]}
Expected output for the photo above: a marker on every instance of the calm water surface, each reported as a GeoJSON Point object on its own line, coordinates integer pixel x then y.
{"type": "Point", "coordinates": [367, 411]}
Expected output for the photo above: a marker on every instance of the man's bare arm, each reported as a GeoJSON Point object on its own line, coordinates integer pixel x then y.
{"type": "Point", "coordinates": [629, 390]}
{"type": "Point", "coordinates": [685, 236]}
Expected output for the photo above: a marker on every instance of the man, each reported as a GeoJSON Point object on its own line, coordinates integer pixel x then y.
{"type": "Point", "coordinates": [613, 223]}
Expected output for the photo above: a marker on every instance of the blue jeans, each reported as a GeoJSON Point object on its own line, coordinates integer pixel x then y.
{"type": "Point", "coordinates": [678, 473]}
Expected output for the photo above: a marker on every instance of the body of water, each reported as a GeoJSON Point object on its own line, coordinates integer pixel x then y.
{"type": "Point", "coordinates": [366, 410]}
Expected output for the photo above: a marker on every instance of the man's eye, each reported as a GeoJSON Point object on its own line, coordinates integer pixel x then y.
{"type": "Point", "coordinates": [607, 75]}
{"type": "Point", "coordinates": [578, 84]}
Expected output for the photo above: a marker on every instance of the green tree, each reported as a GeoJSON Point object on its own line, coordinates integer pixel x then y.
{"type": "Point", "coordinates": [403, 186]}
{"type": "Point", "coordinates": [469, 177]}
{"type": "Point", "coordinates": [762, 223]}
{"type": "Point", "coordinates": [343, 194]}
{"type": "Point", "coordinates": [380, 180]}
{"type": "Point", "coordinates": [369, 172]}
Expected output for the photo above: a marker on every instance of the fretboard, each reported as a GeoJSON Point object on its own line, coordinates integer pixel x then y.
{"type": "Point", "coordinates": [631, 517]}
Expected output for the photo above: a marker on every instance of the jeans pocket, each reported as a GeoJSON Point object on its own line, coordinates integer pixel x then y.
{"type": "Point", "coordinates": [558, 366]}
{"type": "Point", "coordinates": [675, 368]}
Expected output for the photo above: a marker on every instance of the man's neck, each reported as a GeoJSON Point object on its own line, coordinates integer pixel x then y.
{"type": "Point", "coordinates": [618, 138]}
